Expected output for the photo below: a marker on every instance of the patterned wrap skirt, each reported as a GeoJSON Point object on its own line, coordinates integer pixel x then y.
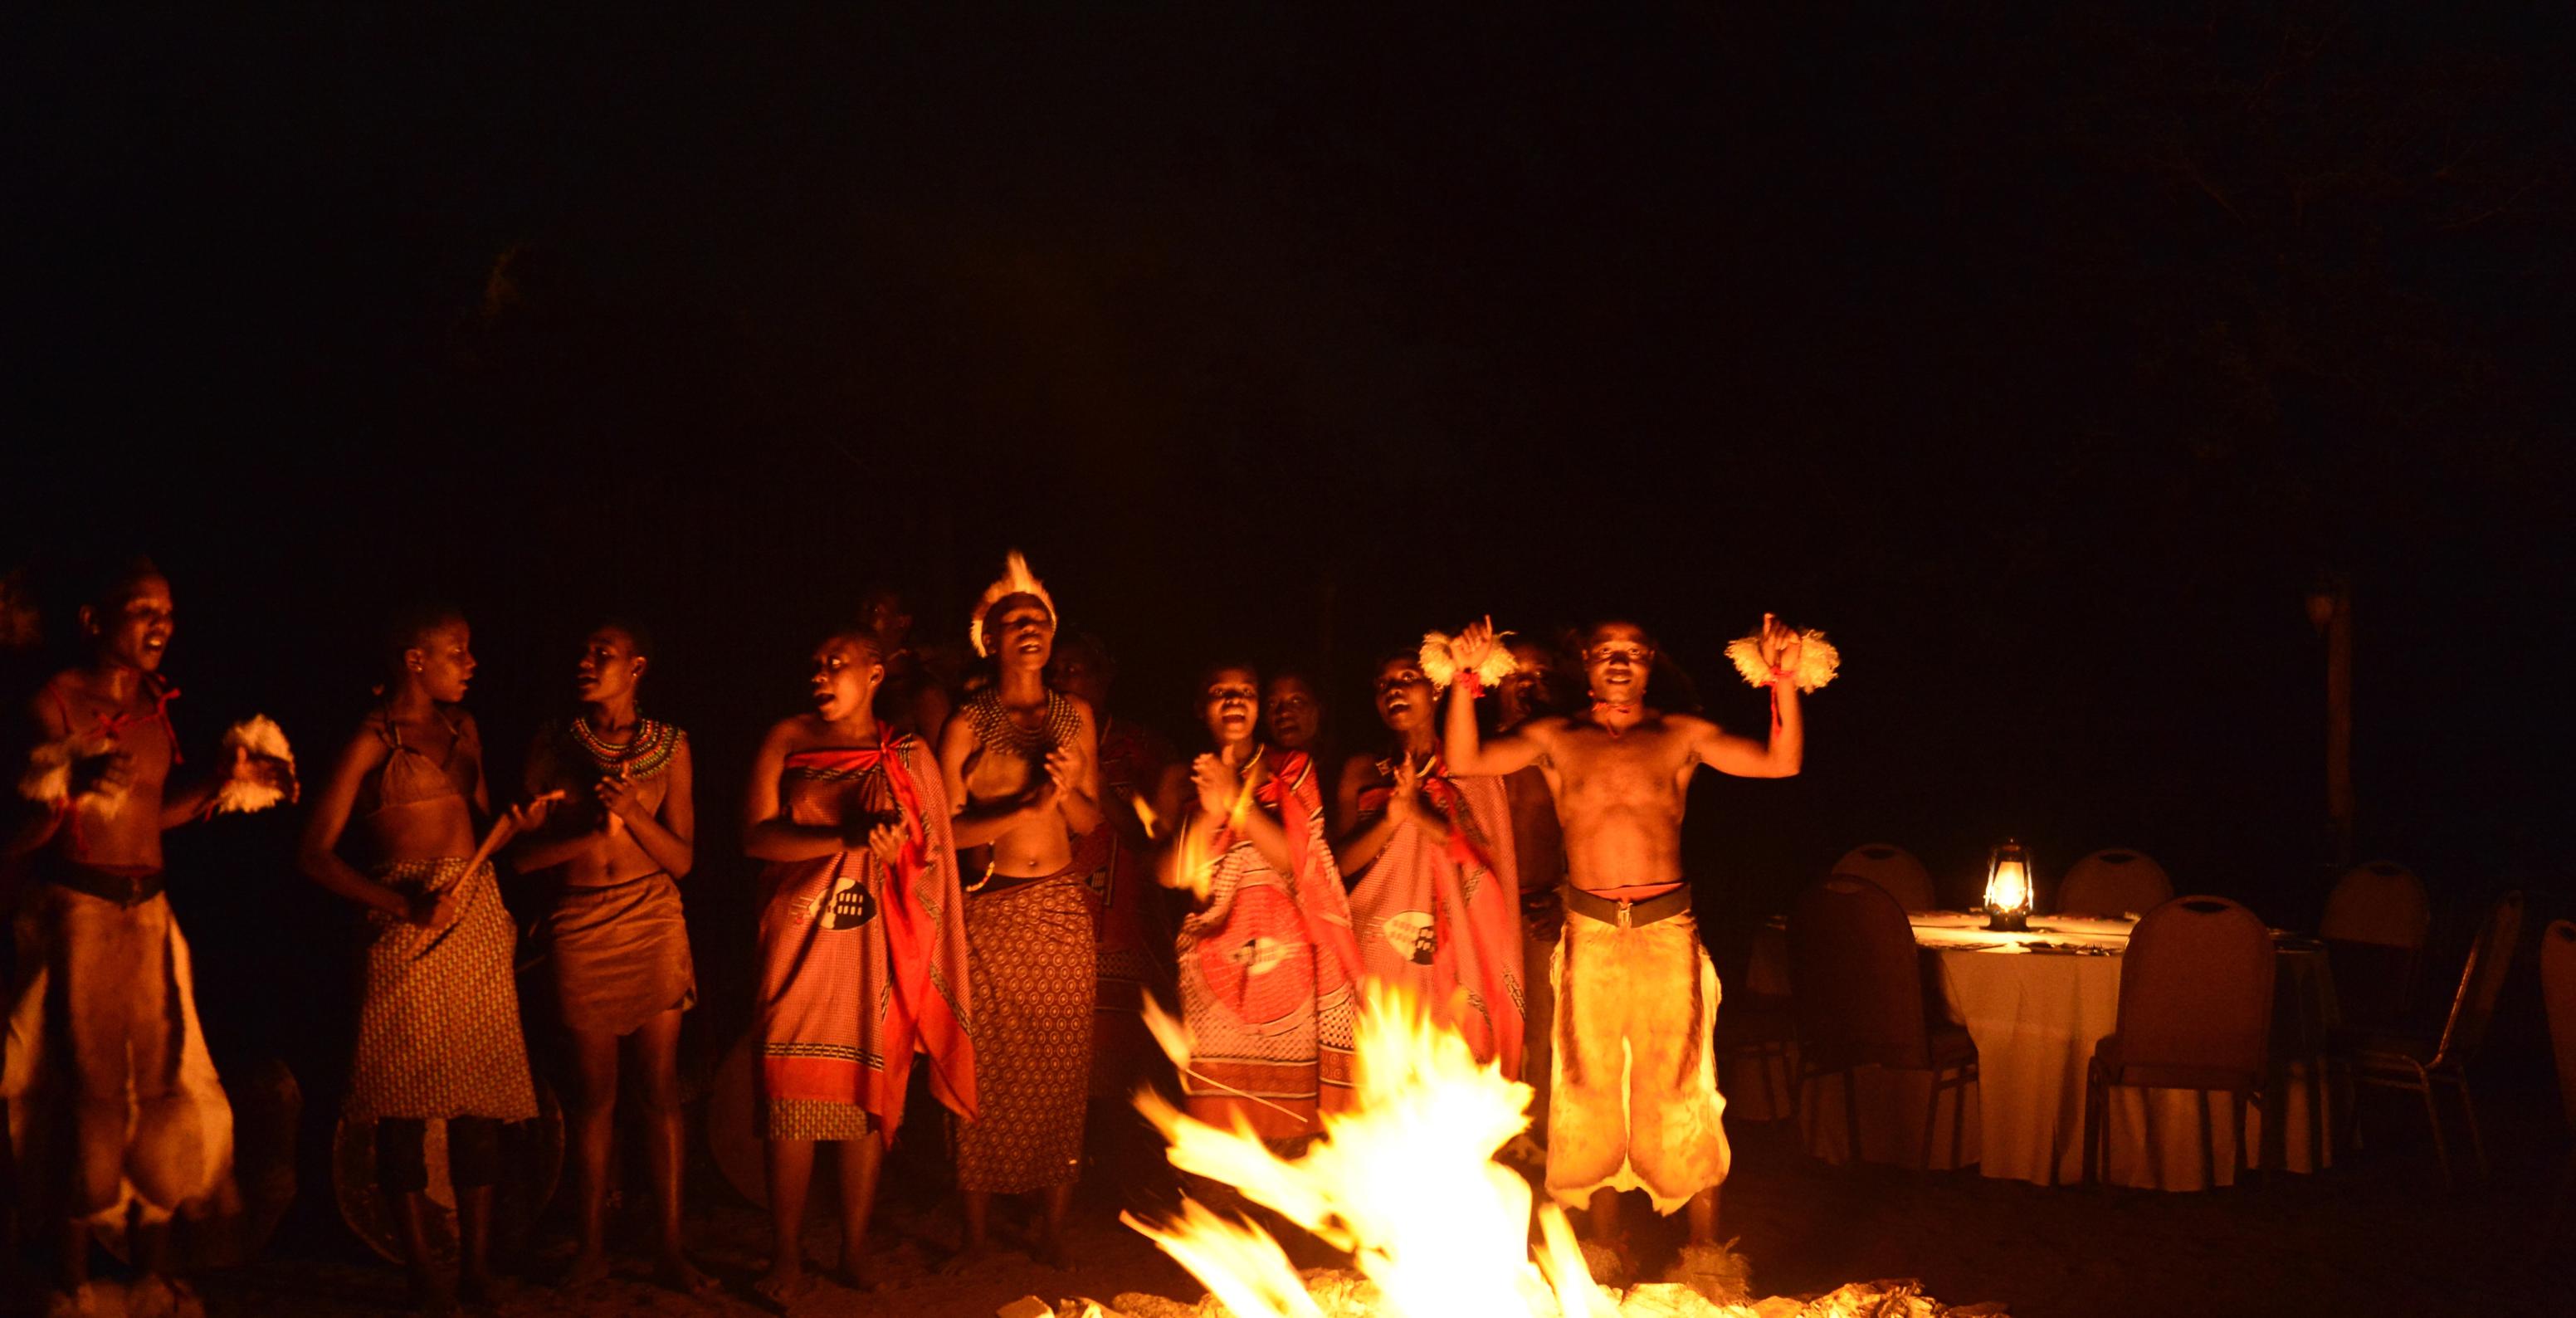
{"type": "Point", "coordinates": [1032, 964]}
{"type": "Point", "coordinates": [438, 1027]}
{"type": "Point", "coordinates": [619, 953]}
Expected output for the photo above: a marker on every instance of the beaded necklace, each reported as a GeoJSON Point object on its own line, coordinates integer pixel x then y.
{"type": "Point", "coordinates": [646, 752]}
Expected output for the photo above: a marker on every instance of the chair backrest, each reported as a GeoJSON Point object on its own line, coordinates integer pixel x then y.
{"type": "Point", "coordinates": [2558, 989]}
{"type": "Point", "coordinates": [2114, 881]}
{"type": "Point", "coordinates": [1894, 869]}
{"type": "Point", "coordinates": [2196, 988]}
{"type": "Point", "coordinates": [2481, 980]}
{"type": "Point", "coordinates": [2381, 902]}
{"type": "Point", "coordinates": [1856, 977]}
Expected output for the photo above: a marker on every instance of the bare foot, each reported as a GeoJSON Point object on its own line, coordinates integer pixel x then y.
{"type": "Point", "coordinates": [676, 1272]}
{"type": "Point", "coordinates": [587, 1268]}
{"type": "Point", "coordinates": [483, 1290]}
{"type": "Point", "coordinates": [781, 1285]}
{"type": "Point", "coordinates": [857, 1275]}
{"type": "Point", "coordinates": [975, 1252]}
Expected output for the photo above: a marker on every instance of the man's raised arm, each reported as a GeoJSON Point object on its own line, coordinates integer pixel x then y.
{"type": "Point", "coordinates": [1466, 749]}
{"type": "Point", "coordinates": [1786, 752]}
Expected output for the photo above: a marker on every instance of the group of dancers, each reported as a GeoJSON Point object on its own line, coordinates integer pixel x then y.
{"type": "Point", "coordinates": [994, 880]}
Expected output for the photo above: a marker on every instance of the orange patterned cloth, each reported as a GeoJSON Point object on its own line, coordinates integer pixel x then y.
{"type": "Point", "coordinates": [1033, 976]}
{"type": "Point", "coordinates": [862, 965]}
{"type": "Point", "coordinates": [438, 1029]}
{"type": "Point", "coordinates": [1442, 916]}
{"type": "Point", "coordinates": [1267, 973]}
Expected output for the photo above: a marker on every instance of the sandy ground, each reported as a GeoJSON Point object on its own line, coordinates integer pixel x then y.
{"type": "Point", "coordinates": [2376, 1235]}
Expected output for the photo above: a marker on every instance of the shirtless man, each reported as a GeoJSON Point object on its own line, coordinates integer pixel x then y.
{"type": "Point", "coordinates": [1022, 764]}
{"type": "Point", "coordinates": [1636, 994]}
{"type": "Point", "coordinates": [111, 954]}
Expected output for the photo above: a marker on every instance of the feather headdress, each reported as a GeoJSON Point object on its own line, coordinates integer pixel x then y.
{"type": "Point", "coordinates": [1817, 660]}
{"type": "Point", "coordinates": [260, 735]}
{"type": "Point", "coordinates": [1016, 579]}
{"type": "Point", "coordinates": [1441, 666]}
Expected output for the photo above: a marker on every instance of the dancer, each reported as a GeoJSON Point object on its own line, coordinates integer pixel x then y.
{"type": "Point", "coordinates": [112, 1097]}
{"type": "Point", "coordinates": [1267, 960]}
{"type": "Point", "coordinates": [438, 1022]}
{"type": "Point", "coordinates": [1538, 847]}
{"type": "Point", "coordinates": [616, 942]}
{"type": "Point", "coordinates": [1434, 896]}
{"type": "Point", "coordinates": [1292, 716]}
{"type": "Point", "coordinates": [1130, 918]}
{"type": "Point", "coordinates": [913, 701]}
{"type": "Point", "coordinates": [1022, 762]}
{"type": "Point", "coordinates": [862, 947]}
{"type": "Point", "coordinates": [1636, 1103]}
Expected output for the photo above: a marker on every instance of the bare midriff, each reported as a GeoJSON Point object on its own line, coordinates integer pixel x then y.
{"type": "Point", "coordinates": [1037, 847]}
{"type": "Point", "coordinates": [435, 829]}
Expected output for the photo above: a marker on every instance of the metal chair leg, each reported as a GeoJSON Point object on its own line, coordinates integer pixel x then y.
{"type": "Point", "coordinates": [2469, 1110]}
{"type": "Point", "coordinates": [2433, 1115]}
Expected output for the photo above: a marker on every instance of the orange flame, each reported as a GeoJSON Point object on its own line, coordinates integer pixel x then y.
{"type": "Point", "coordinates": [1406, 1182]}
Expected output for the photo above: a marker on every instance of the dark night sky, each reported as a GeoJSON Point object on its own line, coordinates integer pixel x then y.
{"type": "Point", "coordinates": [2043, 354]}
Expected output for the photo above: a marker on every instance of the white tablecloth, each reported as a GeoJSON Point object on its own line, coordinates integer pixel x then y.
{"type": "Point", "coordinates": [2036, 1016]}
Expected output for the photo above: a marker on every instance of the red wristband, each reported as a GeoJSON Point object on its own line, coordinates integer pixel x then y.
{"type": "Point", "coordinates": [1472, 684]}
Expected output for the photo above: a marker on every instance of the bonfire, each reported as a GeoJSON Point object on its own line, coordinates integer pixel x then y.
{"type": "Point", "coordinates": [1408, 1187]}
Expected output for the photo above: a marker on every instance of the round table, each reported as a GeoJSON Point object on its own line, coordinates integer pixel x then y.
{"type": "Point", "coordinates": [2036, 1004]}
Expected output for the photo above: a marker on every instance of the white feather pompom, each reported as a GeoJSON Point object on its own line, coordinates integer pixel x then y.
{"type": "Point", "coordinates": [48, 779]}
{"type": "Point", "coordinates": [1817, 660]}
{"type": "Point", "coordinates": [260, 735]}
{"type": "Point", "coordinates": [1441, 666]}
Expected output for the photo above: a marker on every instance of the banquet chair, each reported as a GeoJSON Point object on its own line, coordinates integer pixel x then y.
{"type": "Point", "coordinates": [1763, 1029]}
{"type": "Point", "coordinates": [1856, 983]}
{"type": "Point", "coordinates": [1893, 868]}
{"type": "Point", "coordinates": [2114, 882]}
{"type": "Point", "coordinates": [2400, 1059]}
{"type": "Point", "coordinates": [2375, 925]}
{"type": "Point", "coordinates": [2195, 1014]}
{"type": "Point", "coordinates": [2558, 990]}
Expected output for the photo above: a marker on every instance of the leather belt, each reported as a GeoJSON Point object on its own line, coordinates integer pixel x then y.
{"type": "Point", "coordinates": [123, 885]}
{"type": "Point", "coordinates": [1627, 914]}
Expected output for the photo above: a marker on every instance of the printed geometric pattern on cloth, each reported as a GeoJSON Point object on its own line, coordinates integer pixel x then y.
{"type": "Point", "coordinates": [438, 1026]}
{"type": "Point", "coordinates": [1442, 916]}
{"type": "Point", "coordinates": [1271, 1012]}
{"type": "Point", "coordinates": [861, 965]}
{"type": "Point", "coordinates": [814, 1119]}
{"type": "Point", "coordinates": [1031, 959]}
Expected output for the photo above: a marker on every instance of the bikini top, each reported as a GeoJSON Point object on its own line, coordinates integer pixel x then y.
{"type": "Point", "coordinates": [410, 776]}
